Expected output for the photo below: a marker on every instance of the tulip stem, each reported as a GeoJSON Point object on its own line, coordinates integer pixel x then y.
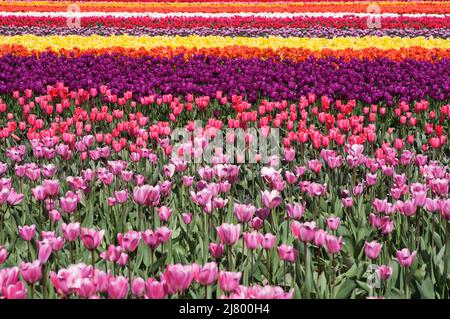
{"type": "Point", "coordinates": [44, 281]}
{"type": "Point", "coordinates": [406, 283]}
{"type": "Point", "coordinates": [93, 258]}
{"type": "Point", "coordinates": [71, 252]}
{"type": "Point", "coordinates": [445, 291]}
{"type": "Point", "coordinates": [32, 291]}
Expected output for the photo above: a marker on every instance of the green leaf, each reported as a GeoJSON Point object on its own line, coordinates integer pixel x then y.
{"type": "Point", "coordinates": [345, 289]}
{"type": "Point", "coordinates": [426, 289]}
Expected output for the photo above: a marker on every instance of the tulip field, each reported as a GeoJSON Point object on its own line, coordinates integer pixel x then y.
{"type": "Point", "coordinates": [224, 150]}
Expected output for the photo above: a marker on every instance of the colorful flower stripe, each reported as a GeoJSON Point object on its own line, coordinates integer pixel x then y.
{"type": "Point", "coordinates": [232, 7]}
{"type": "Point", "coordinates": [227, 1]}
{"type": "Point", "coordinates": [234, 22]}
{"type": "Point", "coordinates": [266, 15]}
{"type": "Point", "coordinates": [234, 32]}
{"type": "Point", "coordinates": [369, 81]}
{"type": "Point", "coordinates": [244, 52]}
{"type": "Point", "coordinates": [97, 42]}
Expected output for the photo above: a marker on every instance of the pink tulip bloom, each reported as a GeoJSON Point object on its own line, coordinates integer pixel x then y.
{"type": "Point", "coordinates": [138, 287]}
{"type": "Point", "coordinates": [121, 196]}
{"type": "Point", "coordinates": [271, 199]}
{"type": "Point", "coordinates": [118, 287]}
{"type": "Point", "coordinates": [207, 274]}
{"type": "Point", "coordinates": [216, 250]}
{"type": "Point", "coordinates": [229, 233]}
{"type": "Point", "coordinates": [244, 213]}
{"type": "Point", "coordinates": [333, 222]}
{"type": "Point", "coordinates": [14, 291]}
{"type": "Point", "coordinates": [71, 231]}
{"type": "Point", "coordinates": [304, 231]}
{"type": "Point", "coordinates": [432, 205]}
{"type": "Point", "coordinates": [155, 289]}
{"type": "Point", "coordinates": [14, 198]}
{"type": "Point", "coordinates": [31, 272]}
{"type": "Point", "coordinates": [130, 240]}
{"type": "Point", "coordinates": [333, 244]}
{"type": "Point", "coordinates": [229, 281]}
{"type": "Point", "coordinates": [27, 232]}
{"type": "Point", "coordinates": [444, 206]}
{"type": "Point", "coordinates": [268, 241]}
{"type": "Point", "coordinates": [91, 238]}
{"type": "Point", "coordinates": [51, 187]}
{"type": "Point", "coordinates": [253, 240]}
{"type": "Point", "coordinates": [372, 249]}
{"type": "Point", "coordinates": [405, 257]}
{"type": "Point", "coordinates": [164, 213]}
{"type": "Point", "coordinates": [3, 255]}
{"type": "Point", "coordinates": [319, 237]}
{"type": "Point", "coordinates": [187, 218]}
{"type": "Point", "coordinates": [163, 233]}
{"type": "Point", "coordinates": [179, 277]}
{"type": "Point", "coordinates": [347, 202]}
{"type": "Point", "coordinates": [384, 272]}
{"type": "Point", "coordinates": [69, 204]}
{"type": "Point", "coordinates": [295, 210]}
{"type": "Point", "coordinates": [87, 288]}
{"type": "Point", "coordinates": [287, 253]}
{"type": "Point", "coordinates": [39, 192]}
{"type": "Point", "coordinates": [150, 238]}
{"type": "Point", "coordinates": [44, 250]}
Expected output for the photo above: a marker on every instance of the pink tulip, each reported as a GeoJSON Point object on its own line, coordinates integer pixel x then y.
{"type": "Point", "coordinates": [271, 199]}
{"type": "Point", "coordinates": [229, 281]}
{"type": "Point", "coordinates": [121, 196]}
{"type": "Point", "coordinates": [150, 238]}
{"type": "Point", "coordinates": [229, 233]}
{"type": "Point", "coordinates": [87, 288]}
{"type": "Point", "coordinates": [333, 222]}
{"type": "Point", "coordinates": [31, 272]}
{"type": "Point", "coordinates": [91, 238]}
{"type": "Point", "coordinates": [163, 233]}
{"type": "Point", "coordinates": [138, 287]}
{"type": "Point", "coordinates": [68, 204]}
{"type": "Point", "coordinates": [3, 255]}
{"type": "Point", "coordinates": [384, 271]}
{"type": "Point", "coordinates": [71, 231]}
{"type": "Point", "coordinates": [244, 213]}
{"type": "Point", "coordinates": [14, 291]}
{"type": "Point", "coordinates": [216, 250]}
{"type": "Point", "coordinates": [27, 232]}
{"type": "Point", "coordinates": [319, 237]}
{"type": "Point", "coordinates": [51, 187]}
{"type": "Point", "coordinates": [207, 274]}
{"type": "Point", "coordinates": [179, 277]}
{"type": "Point", "coordinates": [268, 241]}
{"type": "Point", "coordinates": [39, 193]}
{"type": "Point", "coordinates": [44, 250]}
{"type": "Point", "coordinates": [444, 206]}
{"type": "Point", "coordinates": [253, 240]}
{"type": "Point", "coordinates": [372, 249]}
{"type": "Point", "coordinates": [405, 257]}
{"type": "Point", "coordinates": [118, 287]}
{"type": "Point", "coordinates": [304, 231]}
{"type": "Point", "coordinates": [164, 213]}
{"type": "Point", "coordinates": [155, 289]}
{"type": "Point", "coordinates": [187, 218]}
{"type": "Point", "coordinates": [333, 244]}
{"type": "Point", "coordinates": [130, 240]}
{"type": "Point", "coordinates": [14, 198]}
{"type": "Point", "coordinates": [287, 253]}
{"type": "Point", "coordinates": [296, 210]}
